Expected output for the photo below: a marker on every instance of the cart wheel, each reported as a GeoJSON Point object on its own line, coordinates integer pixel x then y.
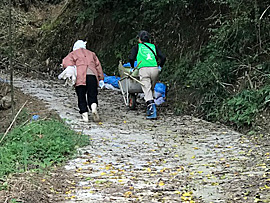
{"type": "Point", "coordinates": [132, 102]}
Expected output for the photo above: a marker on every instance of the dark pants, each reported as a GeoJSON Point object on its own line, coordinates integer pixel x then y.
{"type": "Point", "coordinates": [91, 90]}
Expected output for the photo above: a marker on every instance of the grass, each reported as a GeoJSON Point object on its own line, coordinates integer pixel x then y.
{"type": "Point", "coordinates": [38, 145]}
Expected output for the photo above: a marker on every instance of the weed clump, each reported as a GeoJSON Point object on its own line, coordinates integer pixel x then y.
{"type": "Point", "coordinates": [38, 145]}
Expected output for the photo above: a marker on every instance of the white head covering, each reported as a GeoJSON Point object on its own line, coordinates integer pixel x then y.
{"type": "Point", "coordinates": [79, 44]}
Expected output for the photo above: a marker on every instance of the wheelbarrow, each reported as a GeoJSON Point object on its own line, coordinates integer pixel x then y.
{"type": "Point", "coordinates": [130, 85]}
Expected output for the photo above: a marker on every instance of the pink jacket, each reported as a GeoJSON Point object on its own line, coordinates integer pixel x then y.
{"type": "Point", "coordinates": [83, 58]}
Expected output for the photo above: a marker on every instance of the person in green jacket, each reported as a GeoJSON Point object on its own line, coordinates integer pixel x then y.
{"type": "Point", "coordinates": [150, 60]}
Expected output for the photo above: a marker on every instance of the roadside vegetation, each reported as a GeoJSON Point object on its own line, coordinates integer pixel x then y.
{"type": "Point", "coordinates": [37, 145]}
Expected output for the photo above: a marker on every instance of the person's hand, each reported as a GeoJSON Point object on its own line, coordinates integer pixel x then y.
{"type": "Point", "coordinates": [159, 68]}
{"type": "Point", "coordinates": [101, 84]}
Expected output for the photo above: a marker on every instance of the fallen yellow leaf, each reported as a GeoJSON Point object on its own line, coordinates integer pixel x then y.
{"type": "Point", "coordinates": [187, 194]}
{"type": "Point", "coordinates": [161, 183]}
{"type": "Point", "coordinates": [185, 198]}
{"type": "Point", "coordinates": [79, 169]}
{"type": "Point", "coordinates": [108, 167]}
{"type": "Point", "coordinates": [214, 184]}
{"type": "Point", "coordinates": [86, 187]}
{"type": "Point", "coordinates": [162, 170]}
{"type": "Point", "coordinates": [128, 194]}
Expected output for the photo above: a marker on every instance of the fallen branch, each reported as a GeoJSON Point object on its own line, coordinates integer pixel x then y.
{"type": "Point", "coordinates": [12, 122]}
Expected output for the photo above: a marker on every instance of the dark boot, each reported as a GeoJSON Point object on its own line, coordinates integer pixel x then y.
{"type": "Point", "coordinates": [149, 104]}
{"type": "Point", "coordinates": [152, 111]}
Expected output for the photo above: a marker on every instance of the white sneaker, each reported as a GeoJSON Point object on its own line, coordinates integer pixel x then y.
{"type": "Point", "coordinates": [94, 112]}
{"type": "Point", "coordinates": [85, 116]}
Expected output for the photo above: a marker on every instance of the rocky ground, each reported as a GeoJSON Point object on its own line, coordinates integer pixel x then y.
{"type": "Point", "coordinates": [131, 159]}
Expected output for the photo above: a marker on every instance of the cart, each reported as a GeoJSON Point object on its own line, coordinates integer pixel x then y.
{"type": "Point", "coordinates": [129, 85]}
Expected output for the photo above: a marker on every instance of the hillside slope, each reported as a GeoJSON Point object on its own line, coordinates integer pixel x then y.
{"type": "Point", "coordinates": [218, 55]}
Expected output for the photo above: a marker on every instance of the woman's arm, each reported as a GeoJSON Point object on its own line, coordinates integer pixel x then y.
{"type": "Point", "coordinates": [133, 55]}
{"type": "Point", "coordinates": [98, 68]}
{"type": "Point", "coordinates": [161, 56]}
{"type": "Point", "coordinates": [68, 60]}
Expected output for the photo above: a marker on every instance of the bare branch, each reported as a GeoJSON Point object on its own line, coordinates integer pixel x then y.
{"type": "Point", "coordinates": [264, 12]}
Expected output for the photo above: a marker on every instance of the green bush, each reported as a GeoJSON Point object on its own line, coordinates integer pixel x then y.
{"type": "Point", "coordinates": [243, 108]}
{"type": "Point", "coordinates": [37, 145]}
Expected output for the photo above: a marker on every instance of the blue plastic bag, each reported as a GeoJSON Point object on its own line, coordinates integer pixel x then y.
{"type": "Point", "coordinates": [113, 80]}
{"type": "Point", "coordinates": [35, 117]}
{"type": "Point", "coordinates": [160, 88]}
{"type": "Point", "coordinates": [128, 64]}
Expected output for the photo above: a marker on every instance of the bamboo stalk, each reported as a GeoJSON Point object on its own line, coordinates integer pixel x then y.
{"type": "Point", "coordinates": [264, 12]}
{"type": "Point", "coordinates": [134, 78]}
{"type": "Point", "coordinates": [13, 122]}
{"type": "Point", "coordinates": [10, 60]}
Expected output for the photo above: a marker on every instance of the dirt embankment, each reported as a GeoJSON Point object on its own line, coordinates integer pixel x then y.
{"type": "Point", "coordinates": [33, 106]}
